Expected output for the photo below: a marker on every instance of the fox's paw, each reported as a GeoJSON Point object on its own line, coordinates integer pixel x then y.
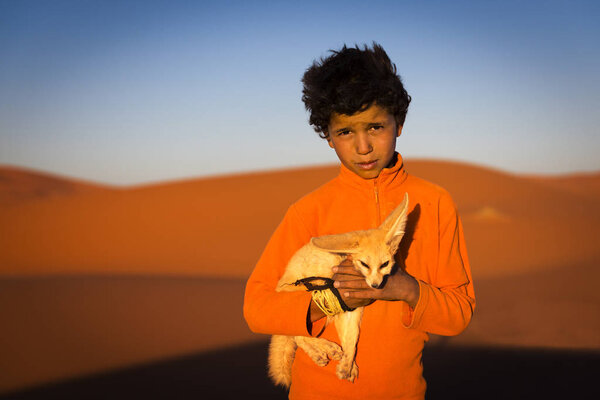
{"type": "Point", "coordinates": [332, 350]}
{"type": "Point", "coordinates": [320, 350]}
{"type": "Point", "coordinates": [347, 370]}
{"type": "Point", "coordinates": [319, 356]}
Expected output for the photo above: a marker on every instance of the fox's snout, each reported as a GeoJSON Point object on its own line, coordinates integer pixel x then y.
{"type": "Point", "coordinates": [376, 282]}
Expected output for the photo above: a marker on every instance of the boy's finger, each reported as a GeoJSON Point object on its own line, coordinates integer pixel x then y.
{"type": "Point", "coordinates": [351, 284]}
{"type": "Point", "coordinates": [358, 294]}
{"type": "Point", "coordinates": [339, 278]}
{"type": "Point", "coordinates": [346, 270]}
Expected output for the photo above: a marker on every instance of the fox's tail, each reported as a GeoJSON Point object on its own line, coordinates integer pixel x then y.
{"type": "Point", "coordinates": [281, 356]}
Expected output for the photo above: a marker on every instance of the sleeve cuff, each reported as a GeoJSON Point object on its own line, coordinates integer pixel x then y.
{"type": "Point", "coordinates": [411, 317]}
{"type": "Point", "coordinates": [314, 329]}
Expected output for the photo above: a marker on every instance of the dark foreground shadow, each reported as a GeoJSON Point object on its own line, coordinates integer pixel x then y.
{"type": "Point", "coordinates": [451, 372]}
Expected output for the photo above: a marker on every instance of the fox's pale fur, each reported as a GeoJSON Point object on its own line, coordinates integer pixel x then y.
{"type": "Point", "coordinates": [372, 252]}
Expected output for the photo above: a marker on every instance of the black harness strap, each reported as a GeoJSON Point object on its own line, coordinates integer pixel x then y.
{"type": "Point", "coordinates": [328, 284]}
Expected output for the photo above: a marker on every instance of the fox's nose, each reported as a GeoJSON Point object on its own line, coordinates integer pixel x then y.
{"type": "Point", "coordinates": [375, 285]}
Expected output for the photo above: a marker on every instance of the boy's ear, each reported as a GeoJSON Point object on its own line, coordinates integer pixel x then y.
{"type": "Point", "coordinates": [399, 130]}
{"type": "Point", "coordinates": [330, 142]}
{"type": "Point", "coordinates": [395, 224]}
{"type": "Point", "coordinates": [344, 243]}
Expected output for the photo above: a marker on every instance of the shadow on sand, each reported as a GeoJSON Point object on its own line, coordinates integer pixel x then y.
{"type": "Point", "coordinates": [452, 373]}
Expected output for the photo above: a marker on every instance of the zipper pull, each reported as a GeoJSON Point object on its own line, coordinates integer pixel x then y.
{"type": "Point", "coordinates": [377, 207]}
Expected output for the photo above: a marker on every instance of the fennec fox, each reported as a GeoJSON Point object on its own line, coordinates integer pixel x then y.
{"type": "Point", "coordinates": [372, 252]}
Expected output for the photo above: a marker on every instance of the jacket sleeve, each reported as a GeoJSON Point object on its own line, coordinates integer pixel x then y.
{"type": "Point", "coordinates": [265, 310]}
{"type": "Point", "coordinates": [447, 302]}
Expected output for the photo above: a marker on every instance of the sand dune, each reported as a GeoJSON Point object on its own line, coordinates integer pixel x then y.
{"type": "Point", "coordinates": [558, 307]}
{"type": "Point", "coordinates": [488, 214]}
{"type": "Point", "coordinates": [218, 226]}
{"type": "Point", "coordinates": [59, 327]}
{"type": "Point", "coordinates": [94, 278]}
{"type": "Point", "coordinates": [208, 227]}
{"type": "Point", "coordinates": [18, 185]}
{"type": "Point", "coordinates": [587, 185]}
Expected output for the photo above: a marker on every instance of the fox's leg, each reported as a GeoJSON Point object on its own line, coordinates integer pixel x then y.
{"type": "Point", "coordinates": [320, 350]}
{"type": "Point", "coordinates": [348, 327]}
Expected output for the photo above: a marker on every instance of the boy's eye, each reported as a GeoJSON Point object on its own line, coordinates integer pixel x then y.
{"type": "Point", "coordinates": [385, 264]}
{"type": "Point", "coordinates": [365, 265]}
{"type": "Point", "coordinates": [376, 127]}
{"type": "Point", "coordinates": [343, 133]}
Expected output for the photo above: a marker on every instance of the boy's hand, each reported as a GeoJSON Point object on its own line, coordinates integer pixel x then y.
{"type": "Point", "coordinates": [346, 277]}
{"type": "Point", "coordinates": [356, 293]}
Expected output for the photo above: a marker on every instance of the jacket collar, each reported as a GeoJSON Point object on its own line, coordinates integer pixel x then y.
{"type": "Point", "coordinates": [393, 175]}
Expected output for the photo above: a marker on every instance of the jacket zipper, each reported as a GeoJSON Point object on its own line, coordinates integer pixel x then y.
{"type": "Point", "coordinates": [377, 208]}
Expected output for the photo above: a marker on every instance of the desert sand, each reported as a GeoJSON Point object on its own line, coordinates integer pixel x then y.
{"type": "Point", "coordinates": [94, 278]}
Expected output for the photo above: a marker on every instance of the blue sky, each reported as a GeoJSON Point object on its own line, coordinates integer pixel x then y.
{"type": "Point", "coordinates": [129, 92]}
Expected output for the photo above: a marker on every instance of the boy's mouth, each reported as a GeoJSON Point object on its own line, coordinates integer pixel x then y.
{"type": "Point", "coordinates": [367, 165]}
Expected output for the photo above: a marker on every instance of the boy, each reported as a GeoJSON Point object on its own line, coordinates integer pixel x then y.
{"type": "Point", "coordinates": [358, 104]}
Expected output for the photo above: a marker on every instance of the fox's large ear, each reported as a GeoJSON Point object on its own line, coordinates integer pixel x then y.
{"type": "Point", "coordinates": [395, 224]}
{"type": "Point", "coordinates": [346, 243]}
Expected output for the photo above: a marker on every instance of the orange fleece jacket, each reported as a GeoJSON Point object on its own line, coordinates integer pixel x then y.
{"type": "Point", "coordinates": [392, 334]}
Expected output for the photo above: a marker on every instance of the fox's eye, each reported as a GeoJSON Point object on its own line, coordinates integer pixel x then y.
{"type": "Point", "coordinates": [365, 265]}
{"type": "Point", "coordinates": [385, 264]}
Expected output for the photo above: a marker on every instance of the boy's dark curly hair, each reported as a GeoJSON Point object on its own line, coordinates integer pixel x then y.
{"type": "Point", "coordinates": [349, 81]}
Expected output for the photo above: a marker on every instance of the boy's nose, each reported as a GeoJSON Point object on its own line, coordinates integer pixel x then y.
{"type": "Point", "coordinates": [363, 145]}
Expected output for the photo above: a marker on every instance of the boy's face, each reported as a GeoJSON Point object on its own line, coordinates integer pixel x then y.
{"type": "Point", "coordinates": [364, 142]}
